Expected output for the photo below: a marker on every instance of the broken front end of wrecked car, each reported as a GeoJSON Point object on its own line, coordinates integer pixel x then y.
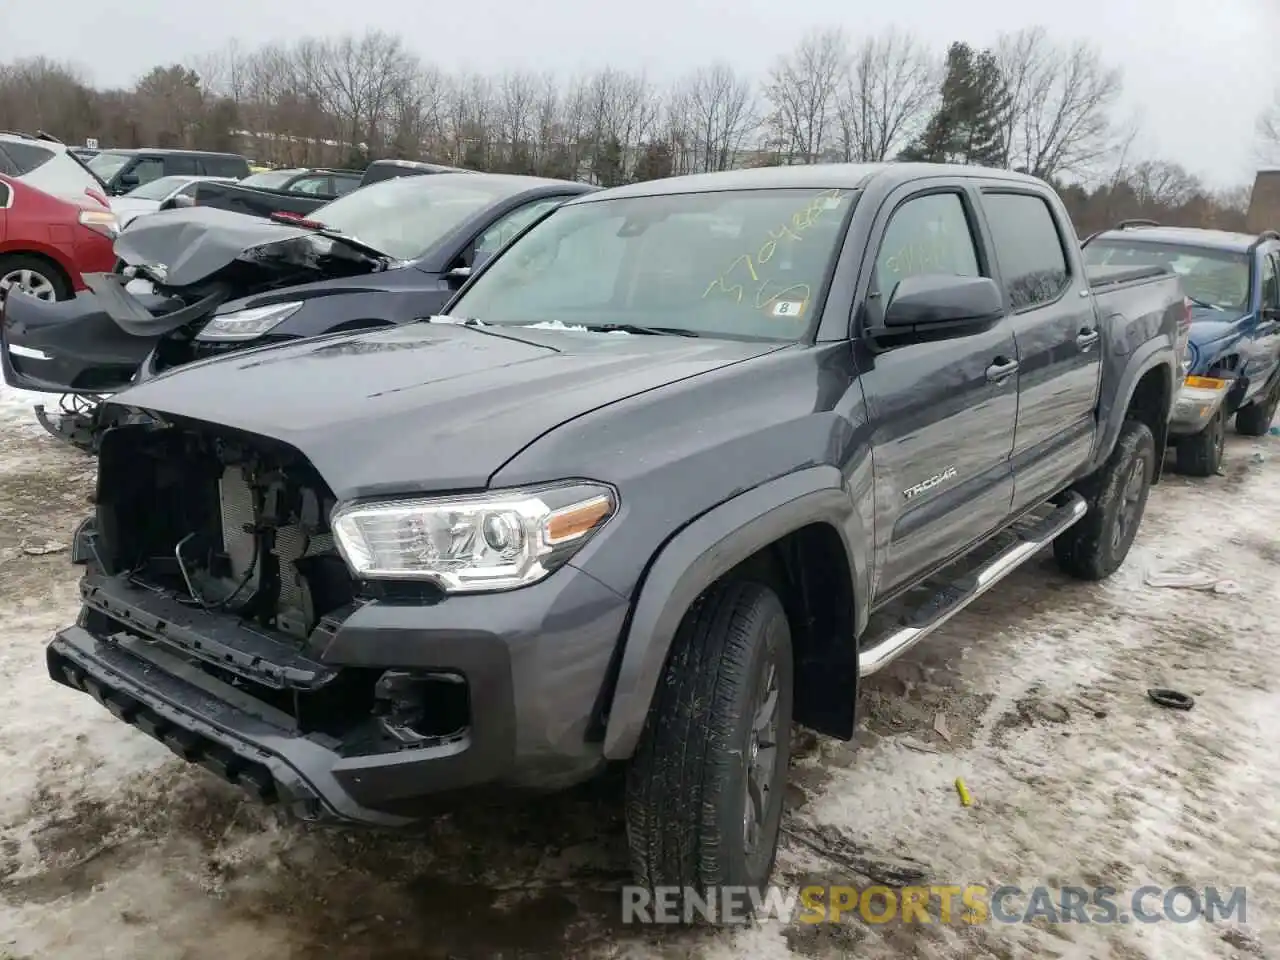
{"type": "Point", "coordinates": [176, 271]}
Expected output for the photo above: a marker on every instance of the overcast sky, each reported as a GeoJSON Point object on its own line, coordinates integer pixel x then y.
{"type": "Point", "coordinates": [1198, 70]}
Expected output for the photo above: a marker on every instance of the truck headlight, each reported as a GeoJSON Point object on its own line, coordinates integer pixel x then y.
{"type": "Point", "coordinates": [1189, 359]}
{"type": "Point", "coordinates": [248, 324]}
{"type": "Point", "coordinates": [473, 543]}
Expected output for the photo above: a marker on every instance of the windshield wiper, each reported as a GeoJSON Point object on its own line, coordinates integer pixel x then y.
{"type": "Point", "coordinates": [1200, 303]}
{"type": "Point", "coordinates": [636, 328]}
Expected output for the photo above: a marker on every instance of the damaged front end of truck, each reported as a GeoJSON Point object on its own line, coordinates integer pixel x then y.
{"type": "Point", "coordinates": [212, 589]}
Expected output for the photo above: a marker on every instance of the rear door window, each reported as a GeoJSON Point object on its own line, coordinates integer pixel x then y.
{"type": "Point", "coordinates": [181, 166]}
{"type": "Point", "coordinates": [236, 167]}
{"type": "Point", "coordinates": [27, 158]}
{"type": "Point", "coordinates": [1028, 248]}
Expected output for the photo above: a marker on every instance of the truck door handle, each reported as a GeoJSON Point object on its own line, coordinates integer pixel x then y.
{"type": "Point", "coordinates": [1001, 369]}
{"type": "Point", "coordinates": [1087, 338]}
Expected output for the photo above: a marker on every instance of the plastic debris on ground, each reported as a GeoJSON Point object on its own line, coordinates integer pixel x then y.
{"type": "Point", "coordinates": [1190, 579]}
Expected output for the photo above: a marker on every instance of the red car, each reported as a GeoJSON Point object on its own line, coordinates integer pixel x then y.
{"type": "Point", "coordinates": [47, 242]}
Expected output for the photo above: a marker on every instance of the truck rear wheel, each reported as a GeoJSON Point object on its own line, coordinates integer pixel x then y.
{"type": "Point", "coordinates": [1095, 547]}
{"type": "Point", "coordinates": [1200, 455]}
{"type": "Point", "coordinates": [1255, 419]}
{"type": "Point", "coordinates": [705, 787]}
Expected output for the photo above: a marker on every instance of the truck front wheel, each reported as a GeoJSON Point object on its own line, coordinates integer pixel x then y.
{"type": "Point", "coordinates": [1094, 548]}
{"type": "Point", "coordinates": [705, 787]}
{"type": "Point", "coordinates": [1200, 455]}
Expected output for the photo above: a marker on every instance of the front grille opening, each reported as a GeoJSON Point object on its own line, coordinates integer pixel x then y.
{"type": "Point", "coordinates": [223, 523]}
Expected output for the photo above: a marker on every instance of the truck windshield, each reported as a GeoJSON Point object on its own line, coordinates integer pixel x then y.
{"type": "Point", "coordinates": [738, 264]}
{"type": "Point", "coordinates": [107, 165]}
{"type": "Point", "coordinates": [405, 216]}
{"type": "Point", "coordinates": [272, 180]}
{"type": "Point", "coordinates": [1216, 278]}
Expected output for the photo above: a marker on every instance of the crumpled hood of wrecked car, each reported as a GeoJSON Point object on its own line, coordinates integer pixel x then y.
{"type": "Point", "coordinates": [196, 242]}
{"type": "Point", "coordinates": [425, 406]}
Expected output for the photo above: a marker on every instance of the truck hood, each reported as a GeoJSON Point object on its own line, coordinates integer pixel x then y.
{"type": "Point", "coordinates": [1208, 325]}
{"type": "Point", "coordinates": [425, 407]}
{"type": "Point", "coordinates": [190, 245]}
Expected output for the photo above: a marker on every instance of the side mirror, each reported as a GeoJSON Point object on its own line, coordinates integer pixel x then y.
{"type": "Point", "coordinates": [178, 202]}
{"type": "Point", "coordinates": [941, 301]}
{"type": "Point", "coordinates": [126, 183]}
{"type": "Point", "coordinates": [458, 276]}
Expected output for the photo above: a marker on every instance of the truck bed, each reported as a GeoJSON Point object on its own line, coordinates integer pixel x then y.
{"type": "Point", "coordinates": [255, 201]}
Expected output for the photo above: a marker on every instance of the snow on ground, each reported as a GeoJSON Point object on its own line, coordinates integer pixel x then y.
{"type": "Point", "coordinates": [111, 848]}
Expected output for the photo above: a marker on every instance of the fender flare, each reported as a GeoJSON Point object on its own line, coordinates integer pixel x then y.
{"type": "Point", "coordinates": [1153, 354]}
{"type": "Point", "coordinates": [697, 556]}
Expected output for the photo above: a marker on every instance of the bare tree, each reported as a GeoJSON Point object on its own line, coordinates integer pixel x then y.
{"type": "Point", "coordinates": [516, 114]}
{"type": "Point", "coordinates": [717, 113]}
{"type": "Point", "coordinates": [887, 96]}
{"type": "Point", "coordinates": [358, 80]}
{"type": "Point", "coordinates": [1159, 183]}
{"type": "Point", "coordinates": [1269, 132]}
{"type": "Point", "coordinates": [802, 89]}
{"type": "Point", "coordinates": [1061, 99]}
{"type": "Point", "coordinates": [42, 94]}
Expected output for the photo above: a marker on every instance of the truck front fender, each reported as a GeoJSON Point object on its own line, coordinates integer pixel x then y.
{"type": "Point", "coordinates": [1135, 394]}
{"type": "Point", "coordinates": [701, 553]}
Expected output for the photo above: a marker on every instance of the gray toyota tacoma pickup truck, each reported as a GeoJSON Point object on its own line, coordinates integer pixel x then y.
{"type": "Point", "coordinates": [682, 464]}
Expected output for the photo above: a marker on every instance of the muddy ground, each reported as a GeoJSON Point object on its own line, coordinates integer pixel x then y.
{"type": "Point", "coordinates": [112, 848]}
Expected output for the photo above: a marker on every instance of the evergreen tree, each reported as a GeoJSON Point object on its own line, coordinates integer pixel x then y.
{"type": "Point", "coordinates": [655, 162]}
{"type": "Point", "coordinates": [966, 126]}
{"type": "Point", "coordinates": [607, 163]}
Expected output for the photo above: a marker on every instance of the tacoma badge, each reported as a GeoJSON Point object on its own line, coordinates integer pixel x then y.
{"type": "Point", "coordinates": [926, 485]}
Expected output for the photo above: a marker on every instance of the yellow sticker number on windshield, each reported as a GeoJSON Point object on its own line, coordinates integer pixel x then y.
{"type": "Point", "coordinates": [736, 290]}
{"type": "Point", "coordinates": [793, 229]}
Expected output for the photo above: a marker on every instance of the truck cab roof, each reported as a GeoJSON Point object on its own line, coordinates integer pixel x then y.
{"type": "Point", "coordinates": [850, 176]}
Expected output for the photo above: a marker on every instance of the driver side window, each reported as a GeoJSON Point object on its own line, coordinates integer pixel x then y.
{"type": "Point", "coordinates": [927, 235]}
{"type": "Point", "coordinates": [148, 169]}
{"type": "Point", "coordinates": [1270, 283]}
{"type": "Point", "coordinates": [493, 239]}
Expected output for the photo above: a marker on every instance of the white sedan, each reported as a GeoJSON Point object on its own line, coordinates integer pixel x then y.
{"type": "Point", "coordinates": [148, 197]}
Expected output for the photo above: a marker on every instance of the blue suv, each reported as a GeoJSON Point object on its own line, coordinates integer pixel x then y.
{"type": "Point", "coordinates": [1232, 365]}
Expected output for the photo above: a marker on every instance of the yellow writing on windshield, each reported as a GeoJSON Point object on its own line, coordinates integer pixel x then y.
{"type": "Point", "coordinates": [793, 229]}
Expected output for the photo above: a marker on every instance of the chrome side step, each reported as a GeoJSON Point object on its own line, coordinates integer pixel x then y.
{"type": "Point", "coordinates": [955, 596]}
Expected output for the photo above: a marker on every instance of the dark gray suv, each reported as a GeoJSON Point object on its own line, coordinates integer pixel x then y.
{"type": "Point", "coordinates": [123, 170]}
